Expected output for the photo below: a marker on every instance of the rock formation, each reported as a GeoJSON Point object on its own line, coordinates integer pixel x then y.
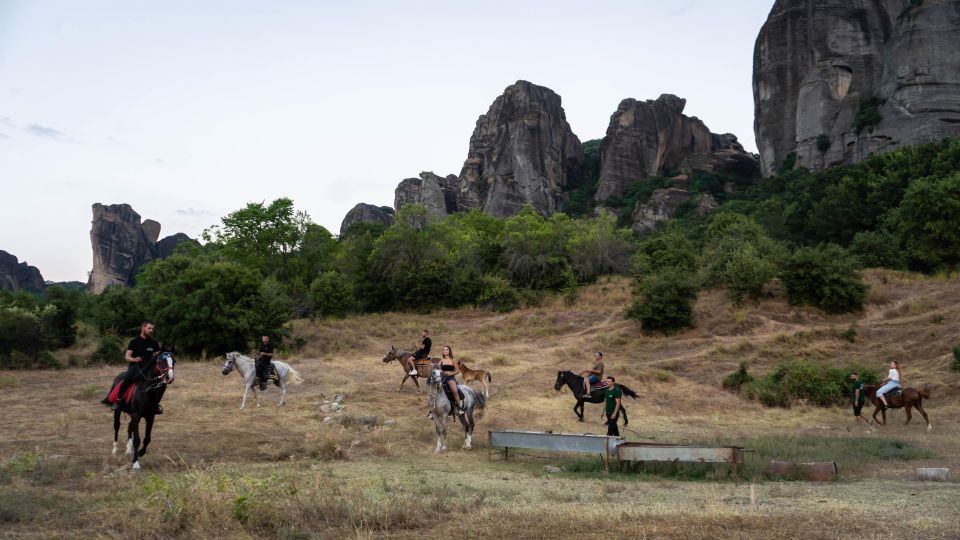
{"type": "Point", "coordinates": [122, 244]}
{"type": "Point", "coordinates": [437, 194]}
{"type": "Point", "coordinates": [368, 213]}
{"type": "Point", "coordinates": [663, 204]}
{"type": "Point", "coordinates": [817, 63]}
{"type": "Point", "coordinates": [521, 152]}
{"type": "Point", "coordinates": [654, 138]}
{"type": "Point", "coordinates": [18, 276]}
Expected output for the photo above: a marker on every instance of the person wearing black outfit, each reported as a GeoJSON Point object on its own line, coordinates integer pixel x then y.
{"type": "Point", "coordinates": [139, 353]}
{"type": "Point", "coordinates": [421, 353]}
{"type": "Point", "coordinates": [263, 361]}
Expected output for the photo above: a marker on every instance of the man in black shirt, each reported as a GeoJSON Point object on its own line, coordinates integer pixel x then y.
{"type": "Point", "coordinates": [421, 353]}
{"type": "Point", "coordinates": [263, 361]}
{"type": "Point", "coordinates": [139, 353]}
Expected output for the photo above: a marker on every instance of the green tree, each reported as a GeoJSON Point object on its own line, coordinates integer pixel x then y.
{"type": "Point", "coordinates": [664, 301]}
{"type": "Point", "coordinates": [116, 310]}
{"type": "Point", "coordinates": [534, 249]}
{"type": "Point", "coordinates": [879, 249]}
{"type": "Point", "coordinates": [598, 247]}
{"type": "Point", "coordinates": [825, 277]}
{"type": "Point", "coordinates": [332, 295]}
{"type": "Point", "coordinates": [63, 320]}
{"type": "Point", "coordinates": [929, 220]}
{"type": "Point", "coordinates": [261, 236]}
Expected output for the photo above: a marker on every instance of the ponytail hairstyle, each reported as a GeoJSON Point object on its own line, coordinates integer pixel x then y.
{"type": "Point", "coordinates": [897, 367]}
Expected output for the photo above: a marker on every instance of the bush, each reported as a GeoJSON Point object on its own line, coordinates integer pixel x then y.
{"type": "Point", "coordinates": [823, 143]}
{"type": "Point", "coordinates": [825, 277]}
{"type": "Point", "coordinates": [24, 337]}
{"type": "Point", "coordinates": [868, 115]}
{"type": "Point", "coordinates": [812, 382]}
{"type": "Point", "coordinates": [110, 350]}
{"type": "Point", "coordinates": [878, 249]}
{"type": "Point", "coordinates": [955, 364]}
{"type": "Point", "coordinates": [746, 272]}
{"type": "Point", "coordinates": [116, 310]}
{"type": "Point", "coordinates": [665, 301]}
{"type": "Point", "coordinates": [927, 219]}
{"type": "Point", "coordinates": [737, 379]}
{"type": "Point", "coordinates": [497, 294]}
{"type": "Point", "coordinates": [332, 295]}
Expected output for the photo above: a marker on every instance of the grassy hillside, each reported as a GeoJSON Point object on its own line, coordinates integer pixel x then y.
{"type": "Point", "coordinates": [215, 471]}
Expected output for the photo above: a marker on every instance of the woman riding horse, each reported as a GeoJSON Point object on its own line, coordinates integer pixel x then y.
{"type": "Point", "coordinates": [450, 368]}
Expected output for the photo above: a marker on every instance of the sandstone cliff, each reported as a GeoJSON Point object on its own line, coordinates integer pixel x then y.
{"type": "Point", "coordinates": [437, 194]}
{"type": "Point", "coordinates": [837, 80]}
{"type": "Point", "coordinates": [521, 152]}
{"type": "Point", "coordinates": [364, 212]}
{"type": "Point", "coordinates": [19, 276]}
{"type": "Point", "coordinates": [122, 244]}
{"type": "Point", "coordinates": [655, 138]}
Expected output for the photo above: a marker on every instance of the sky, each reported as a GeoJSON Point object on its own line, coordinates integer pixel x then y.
{"type": "Point", "coordinates": [190, 110]}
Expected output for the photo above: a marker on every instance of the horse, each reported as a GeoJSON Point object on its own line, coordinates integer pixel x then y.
{"type": "Point", "coordinates": [400, 357]}
{"type": "Point", "coordinates": [144, 403]}
{"type": "Point", "coordinates": [476, 375]}
{"type": "Point", "coordinates": [575, 382]}
{"type": "Point", "coordinates": [440, 408]}
{"type": "Point", "coordinates": [246, 367]}
{"type": "Point", "coordinates": [908, 398]}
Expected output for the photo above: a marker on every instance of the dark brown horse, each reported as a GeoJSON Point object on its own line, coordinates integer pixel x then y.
{"type": "Point", "coordinates": [401, 358]}
{"type": "Point", "coordinates": [908, 398]}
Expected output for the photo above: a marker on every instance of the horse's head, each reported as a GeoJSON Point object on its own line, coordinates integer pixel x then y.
{"type": "Point", "coordinates": [561, 379]}
{"type": "Point", "coordinates": [164, 365]}
{"type": "Point", "coordinates": [231, 362]}
{"type": "Point", "coordinates": [436, 376]}
{"type": "Point", "coordinates": [391, 355]}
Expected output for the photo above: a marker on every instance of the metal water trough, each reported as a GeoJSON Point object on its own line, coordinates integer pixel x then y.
{"type": "Point", "coordinates": [643, 452]}
{"type": "Point", "coordinates": [603, 445]}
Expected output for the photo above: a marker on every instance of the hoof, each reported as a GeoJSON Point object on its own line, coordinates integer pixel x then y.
{"type": "Point", "coordinates": [135, 467]}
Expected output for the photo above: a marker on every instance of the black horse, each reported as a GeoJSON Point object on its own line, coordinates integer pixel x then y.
{"type": "Point", "coordinates": [575, 382]}
{"type": "Point", "coordinates": [145, 403]}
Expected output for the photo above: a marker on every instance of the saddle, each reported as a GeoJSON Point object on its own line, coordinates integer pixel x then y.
{"type": "Point", "coordinates": [271, 374]}
{"type": "Point", "coordinates": [113, 396]}
{"type": "Point", "coordinates": [602, 385]}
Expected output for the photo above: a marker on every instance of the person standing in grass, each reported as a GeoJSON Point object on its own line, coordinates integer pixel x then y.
{"type": "Point", "coordinates": [612, 396]}
{"type": "Point", "coordinates": [858, 397]}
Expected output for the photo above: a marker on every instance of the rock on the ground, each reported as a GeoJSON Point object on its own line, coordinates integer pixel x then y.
{"type": "Point", "coordinates": [436, 193]}
{"type": "Point", "coordinates": [366, 213]}
{"type": "Point", "coordinates": [521, 152]}
{"type": "Point", "coordinates": [654, 138]}
{"type": "Point", "coordinates": [815, 61]}
{"type": "Point", "coordinates": [19, 276]}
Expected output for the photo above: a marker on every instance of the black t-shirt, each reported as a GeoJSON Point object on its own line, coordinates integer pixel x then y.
{"type": "Point", "coordinates": [423, 351]}
{"type": "Point", "coordinates": [143, 348]}
{"type": "Point", "coordinates": [266, 348]}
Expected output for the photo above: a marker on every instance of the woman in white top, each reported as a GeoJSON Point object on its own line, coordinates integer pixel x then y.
{"type": "Point", "coordinates": [893, 381]}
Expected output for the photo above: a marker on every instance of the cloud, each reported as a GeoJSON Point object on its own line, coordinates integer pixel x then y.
{"type": "Point", "coordinates": [5, 137]}
{"type": "Point", "coordinates": [6, 121]}
{"type": "Point", "coordinates": [682, 8]}
{"type": "Point", "coordinates": [43, 131]}
{"type": "Point", "coordinates": [194, 212]}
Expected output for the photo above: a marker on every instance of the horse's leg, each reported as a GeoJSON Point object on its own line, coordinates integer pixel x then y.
{"type": "Point", "coordinates": [906, 408]}
{"type": "Point", "coordinates": [623, 411]}
{"type": "Point", "coordinates": [919, 406]}
{"type": "Point", "coordinates": [283, 391]}
{"type": "Point", "coordinates": [147, 430]}
{"type": "Point", "coordinates": [116, 431]}
{"type": "Point", "coordinates": [883, 414]}
{"type": "Point", "coordinates": [876, 409]}
{"type": "Point", "coordinates": [243, 403]}
{"type": "Point", "coordinates": [438, 422]}
{"type": "Point", "coordinates": [403, 380]}
{"type": "Point", "coordinates": [256, 394]}
{"type": "Point", "coordinates": [135, 444]}
{"type": "Point", "coordinates": [418, 385]}
{"type": "Point", "coordinates": [578, 410]}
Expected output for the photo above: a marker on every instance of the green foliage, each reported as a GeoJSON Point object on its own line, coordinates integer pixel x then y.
{"type": "Point", "coordinates": [534, 249]}
{"type": "Point", "coordinates": [261, 236]}
{"type": "Point", "coordinates": [878, 249]}
{"type": "Point", "coordinates": [497, 294]}
{"type": "Point", "coordinates": [955, 363]}
{"type": "Point", "coordinates": [929, 220]}
{"type": "Point", "coordinates": [868, 115]}
{"type": "Point", "coordinates": [670, 247]}
{"type": "Point", "coordinates": [201, 304]}
{"type": "Point", "coordinates": [746, 272]}
{"type": "Point", "coordinates": [811, 382]}
{"type": "Point", "coordinates": [823, 143]}
{"type": "Point", "coordinates": [582, 185]}
{"type": "Point", "coordinates": [737, 379]}
{"type": "Point", "coordinates": [825, 277]}
{"type": "Point", "coordinates": [26, 336]}
{"type": "Point", "coordinates": [637, 192]}
{"type": "Point", "coordinates": [665, 301]}
{"type": "Point", "coordinates": [62, 321]}
{"type": "Point", "coordinates": [739, 255]}
{"type": "Point", "coordinates": [598, 247]}
{"type": "Point", "coordinates": [116, 310]}
{"type": "Point", "coordinates": [110, 350]}
{"type": "Point", "coordinates": [332, 295]}
{"type": "Point", "coordinates": [789, 162]}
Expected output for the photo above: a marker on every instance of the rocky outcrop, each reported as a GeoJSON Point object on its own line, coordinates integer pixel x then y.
{"type": "Point", "coordinates": [18, 276]}
{"type": "Point", "coordinates": [367, 213]}
{"type": "Point", "coordinates": [817, 63]}
{"type": "Point", "coordinates": [654, 138]}
{"type": "Point", "coordinates": [122, 244]}
{"type": "Point", "coordinates": [663, 205]}
{"type": "Point", "coordinates": [521, 152]}
{"type": "Point", "coordinates": [437, 194]}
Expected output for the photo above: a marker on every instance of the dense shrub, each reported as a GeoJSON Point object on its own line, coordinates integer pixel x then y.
{"type": "Point", "coordinates": [805, 380]}
{"type": "Point", "coordinates": [955, 363]}
{"type": "Point", "coordinates": [868, 115]}
{"type": "Point", "coordinates": [878, 249]}
{"type": "Point", "coordinates": [825, 277]}
{"type": "Point", "coordinates": [25, 338]}
{"type": "Point", "coordinates": [929, 220]}
{"type": "Point", "coordinates": [116, 310]}
{"type": "Point", "coordinates": [497, 294]}
{"type": "Point", "coordinates": [110, 350]}
{"type": "Point", "coordinates": [332, 295]}
{"type": "Point", "coordinates": [665, 301]}
{"type": "Point", "coordinates": [738, 378]}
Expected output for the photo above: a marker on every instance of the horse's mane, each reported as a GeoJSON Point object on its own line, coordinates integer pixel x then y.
{"type": "Point", "coordinates": [238, 356]}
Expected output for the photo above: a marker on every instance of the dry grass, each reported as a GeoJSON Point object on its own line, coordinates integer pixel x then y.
{"type": "Point", "coordinates": [215, 471]}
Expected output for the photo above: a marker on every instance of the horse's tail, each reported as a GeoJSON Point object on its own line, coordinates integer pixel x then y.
{"type": "Point", "coordinates": [628, 392]}
{"type": "Point", "coordinates": [926, 391]}
{"type": "Point", "coordinates": [297, 379]}
{"type": "Point", "coordinates": [488, 377]}
{"type": "Point", "coordinates": [481, 400]}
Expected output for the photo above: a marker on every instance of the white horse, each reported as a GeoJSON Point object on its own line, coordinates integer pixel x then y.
{"type": "Point", "coordinates": [440, 407]}
{"type": "Point", "coordinates": [246, 367]}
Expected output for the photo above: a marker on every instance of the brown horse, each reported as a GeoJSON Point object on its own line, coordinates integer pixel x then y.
{"type": "Point", "coordinates": [481, 375]}
{"type": "Point", "coordinates": [400, 357]}
{"type": "Point", "coordinates": [908, 398]}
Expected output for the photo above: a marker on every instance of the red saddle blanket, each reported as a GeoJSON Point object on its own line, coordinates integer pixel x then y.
{"type": "Point", "coordinates": [115, 391]}
{"type": "Point", "coordinates": [599, 386]}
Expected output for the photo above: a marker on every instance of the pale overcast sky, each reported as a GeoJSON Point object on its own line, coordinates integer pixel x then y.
{"type": "Point", "coordinates": [188, 110]}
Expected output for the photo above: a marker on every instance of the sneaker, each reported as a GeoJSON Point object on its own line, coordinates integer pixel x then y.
{"type": "Point", "coordinates": [413, 373]}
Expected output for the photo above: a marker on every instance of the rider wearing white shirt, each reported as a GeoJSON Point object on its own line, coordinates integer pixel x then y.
{"type": "Point", "coordinates": [893, 381]}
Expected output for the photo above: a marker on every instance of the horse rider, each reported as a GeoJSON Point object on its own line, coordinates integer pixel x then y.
{"type": "Point", "coordinates": [263, 361]}
{"type": "Point", "coordinates": [612, 396]}
{"type": "Point", "coordinates": [892, 382]}
{"type": "Point", "coordinates": [421, 353]}
{"type": "Point", "coordinates": [449, 369]}
{"type": "Point", "coordinates": [593, 374]}
{"type": "Point", "coordinates": [139, 352]}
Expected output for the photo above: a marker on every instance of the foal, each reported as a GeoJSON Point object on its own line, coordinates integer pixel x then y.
{"type": "Point", "coordinates": [481, 375]}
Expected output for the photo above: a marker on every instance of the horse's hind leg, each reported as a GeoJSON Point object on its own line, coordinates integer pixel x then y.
{"type": "Point", "coordinates": [578, 410]}
{"type": "Point", "coordinates": [146, 435]}
{"type": "Point", "coordinates": [907, 408]}
{"type": "Point", "coordinates": [467, 421]}
{"type": "Point", "coordinates": [283, 392]}
{"type": "Point", "coordinates": [623, 410]}
{"type": "Point", "coordinates": [134, 445]}
{"type": "Point", "coordinates": [919, 406]}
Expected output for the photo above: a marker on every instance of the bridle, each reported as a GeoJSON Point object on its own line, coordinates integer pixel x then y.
{"type": "Point", "coordinates": [163, 369]}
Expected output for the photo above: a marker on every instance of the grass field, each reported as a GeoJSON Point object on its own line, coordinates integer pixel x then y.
{"type": "Point", "coordinates": [215, 471]}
